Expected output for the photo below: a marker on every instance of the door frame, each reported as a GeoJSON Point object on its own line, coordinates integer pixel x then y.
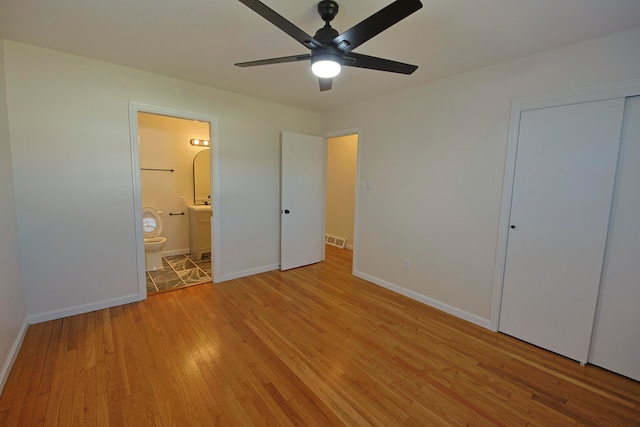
{"type": "Point", "coordinates": [134, 109]}
{"type": "Point", "coordinates": [518, 105]}
{"type": "Point", "coordinates": [337, 134]}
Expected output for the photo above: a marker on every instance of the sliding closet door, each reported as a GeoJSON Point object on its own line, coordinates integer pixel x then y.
{"type": "Point", "coordinates": [562, 191]}
{"type": "Point", "coordinates": [616, 337]}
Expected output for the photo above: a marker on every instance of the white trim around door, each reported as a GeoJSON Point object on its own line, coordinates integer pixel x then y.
{"type": "Point", "coordinates": [134, 109]}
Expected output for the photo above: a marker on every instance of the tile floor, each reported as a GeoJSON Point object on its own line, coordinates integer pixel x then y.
{"type": "Point", "coordinates": [179, 271]}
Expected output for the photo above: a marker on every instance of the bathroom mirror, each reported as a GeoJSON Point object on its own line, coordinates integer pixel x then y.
{"type": "Point", "coordinates": [202, 178]}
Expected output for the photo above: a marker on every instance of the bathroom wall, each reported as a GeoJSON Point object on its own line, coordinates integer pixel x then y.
{"type": "Point", "coordinates": [13, 315]}
{"type": "Point", "coordinates": [164, 144]}
{"type": "Point", "coordinates": [342, 156]}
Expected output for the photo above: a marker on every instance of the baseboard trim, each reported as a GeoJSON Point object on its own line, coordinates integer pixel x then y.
{"type": "Point", "coordinates": [464, 315]}
{"type": "Point", "coordinates": [176, 252]}
{"type": "Point", "coordinates": [81, 309]}
{"type": "Point", "coordinates": [15, 349]}
{"type": "Point", "coordinates": [245, 273]}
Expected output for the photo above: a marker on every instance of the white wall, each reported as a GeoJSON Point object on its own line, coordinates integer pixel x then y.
{"type": "Point", "coordinates": [435, 158]}
{"type": "Point", "coordinates": [69, 128]}
{"type": "Point", "coordinates": [164, 144]}
{"type": "Point", "coordinates": [342, 157]}
{"type": "Point", "coordinates": [13, 314]}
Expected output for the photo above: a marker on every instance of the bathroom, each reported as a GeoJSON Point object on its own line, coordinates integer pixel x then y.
{"type": "Point", "coordinates": [175, 180]}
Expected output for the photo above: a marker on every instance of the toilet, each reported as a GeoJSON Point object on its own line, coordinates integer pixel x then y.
{"type": "Point", "coordinates": [153, 241]}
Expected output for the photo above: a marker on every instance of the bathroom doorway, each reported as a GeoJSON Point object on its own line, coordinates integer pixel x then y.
{"type": "Point", "coordinates": [170, 154]}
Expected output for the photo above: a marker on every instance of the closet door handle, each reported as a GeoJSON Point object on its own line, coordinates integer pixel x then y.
{"type": "Point", "coordinates": [286, 211]}
{"type": "Point", "coordinates": [513, 226]}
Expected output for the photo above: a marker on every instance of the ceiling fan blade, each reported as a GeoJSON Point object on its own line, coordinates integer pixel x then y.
{"type": "Point", "coordinates": [281, 60]}
{"type": "Point", "coordinates": [325, 84]}
{"type": "Point", "coordinates": [375, 24]}
{"type": "Point", "coordinates": [374, 63]}
{"type": "Point", "coordinates": [272, 16]}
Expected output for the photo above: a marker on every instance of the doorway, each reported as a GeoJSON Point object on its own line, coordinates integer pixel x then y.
{"type": "Point", "coordinates": [166, 184]}
{"type": "Point", "coordinates": [174, 181]}
{"type": "Point", "coordinates": [341, 191]}
{"type": "Point", "coordinates": [318, 198]}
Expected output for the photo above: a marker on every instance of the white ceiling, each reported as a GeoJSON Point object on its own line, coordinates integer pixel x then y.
{"type": "Point", "coordinates": [200, 40]}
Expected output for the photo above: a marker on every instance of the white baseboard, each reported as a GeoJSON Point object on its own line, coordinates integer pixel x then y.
{"type": "Point", "coordinates": [485, 323]}
{"type": "Point", "coordinates": [176, 252]}
{"type": "Point", "coordinates": [80, 309]}
{"type": "Point", "coordinates": [8, 364]}
{"type": "Point", "coordinates": [245, 273]}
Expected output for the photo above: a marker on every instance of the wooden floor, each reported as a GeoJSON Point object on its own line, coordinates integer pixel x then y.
{"type": "Point", "coordinates": [312, 346]}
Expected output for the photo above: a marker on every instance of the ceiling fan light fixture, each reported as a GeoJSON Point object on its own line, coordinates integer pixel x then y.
{"type": "Point", "coordinates": [325, 66]}
{"type": "Point", "coordinates": [331, 50]}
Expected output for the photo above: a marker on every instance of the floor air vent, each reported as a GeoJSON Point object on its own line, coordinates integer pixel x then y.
{"type": "Point", "coordinates": [335, 241]}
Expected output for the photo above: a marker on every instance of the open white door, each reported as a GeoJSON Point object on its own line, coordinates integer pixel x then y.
{"type": "Point", "coordinates": [302, 201]}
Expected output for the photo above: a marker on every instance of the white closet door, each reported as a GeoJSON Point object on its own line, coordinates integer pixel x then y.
{"type": "Point", "coordinates": [615, 343]}
{"type": "Point", "coordinates": [562, 190]}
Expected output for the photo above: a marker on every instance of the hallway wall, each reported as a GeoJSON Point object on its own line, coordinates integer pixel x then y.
{"type": "Point", "coordinates": [342, 157]}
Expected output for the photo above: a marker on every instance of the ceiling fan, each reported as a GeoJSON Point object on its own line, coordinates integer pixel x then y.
{"type": "Point", "coordinates": [330, 50]}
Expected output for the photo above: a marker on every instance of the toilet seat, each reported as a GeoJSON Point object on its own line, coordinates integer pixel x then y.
{"type": "Point", "coordinates": [151, 223]}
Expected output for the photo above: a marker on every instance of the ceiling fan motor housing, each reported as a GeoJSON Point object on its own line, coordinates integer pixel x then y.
{"type": "Point", "coordinates": [327, 53]}
{"type": "Point", "coordinates": [326, 34]}
{"type": "Point", "coordinates": [327, 9]}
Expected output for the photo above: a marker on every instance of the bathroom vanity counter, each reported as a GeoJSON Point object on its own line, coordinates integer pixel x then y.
{"type": "Point", "coordinates": [200, 230]}
{"type": "Point", "coordinates": [198, 208]}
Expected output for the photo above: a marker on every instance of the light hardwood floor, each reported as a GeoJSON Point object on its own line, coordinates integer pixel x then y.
{"type": "Point", "coordinates": [312, 346]}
